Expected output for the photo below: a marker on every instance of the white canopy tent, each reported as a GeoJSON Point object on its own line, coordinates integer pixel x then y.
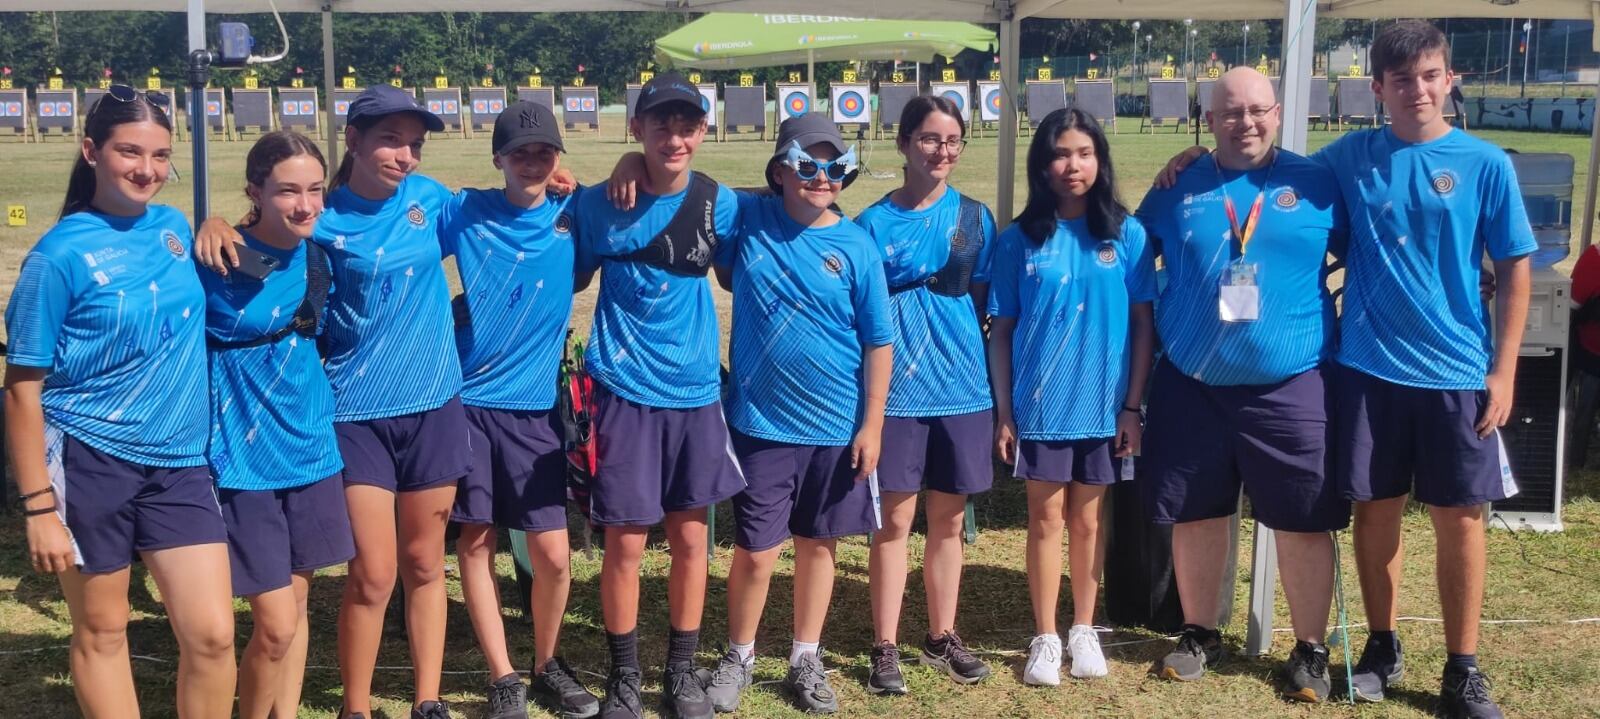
{"type": "Point", "coordinates": [1299, 24]}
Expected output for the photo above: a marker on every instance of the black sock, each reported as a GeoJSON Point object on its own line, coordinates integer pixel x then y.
{"type": "Point", "coordinates": [1460, 662]}
{"type": "Point", "coordinates": [681, 646]}
{"type": "Point", "coordinates": [624, 649]}
{"type": "Point", "coordinates": [937, 643]}
{"type": "Point", "coordinates": [1387, 639]}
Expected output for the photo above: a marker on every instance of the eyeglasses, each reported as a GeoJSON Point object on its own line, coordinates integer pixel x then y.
{"type": "Point", "coordinates": [807, 167]}
{"type": "Point", "coordinates": [1233, 118]}
{"type": "Point", "coordinates": [125, 94]}
{"type": "Point", "coordinates": [931, 144]}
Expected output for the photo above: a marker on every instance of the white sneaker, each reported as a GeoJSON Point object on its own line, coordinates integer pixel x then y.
{"type": "Point", "coordinates": [1087, 659]}
{"type": "Point", "coordinates": [1044, 661]}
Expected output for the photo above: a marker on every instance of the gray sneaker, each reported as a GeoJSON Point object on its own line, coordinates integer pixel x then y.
{"type": "Point", "coordinates": [1380, 666]}
{"type": "Point", "coordinates": [810, 686]}
{"type": "Point", "coordinates": [728, 681]}
{"type": "Point", "coordinates": [1307, 673]}
{"type": "Point", "coordinates": [1197, 649]}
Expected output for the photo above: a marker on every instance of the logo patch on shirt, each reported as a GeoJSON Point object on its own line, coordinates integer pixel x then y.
{"type": "Point", "coordinates": [1107, 254]}
{"type": "Point", "coordinates": [1444, 182]}
{"type": "Point", "coordinates": [1287, 199]}
{"type": "Point", "coordinates": [174, 245]}
{"type": "Point", "coordinates": [832, 263]}
{"type": "Point", "coordinates": [563, 223]}
{"type": "Point", "coordinates": [415, 215]}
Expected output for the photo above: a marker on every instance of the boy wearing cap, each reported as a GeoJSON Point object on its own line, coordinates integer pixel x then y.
{"type": "Point", "coordinates": [514, 251]}
{"type": "Point", "coordinates": [810, 375]}
{"type": "Point", "coordinates": [663, 447]}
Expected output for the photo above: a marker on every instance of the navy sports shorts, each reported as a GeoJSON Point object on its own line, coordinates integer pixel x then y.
{"type": "Point", "coordinates": [1085, 461]}
{"type": "Point", "coordinates": [654, 460]}
{"type": "Point", "coordinates": [800, 490]}
{"type": "Point", "coordinates": [951, 454]}
{"type": "Point", "coordinates": [411, 452]}
{"type": "Point", "coordinates": [519, 471]}
{"type": "Point", "coordinates": [274, 533]}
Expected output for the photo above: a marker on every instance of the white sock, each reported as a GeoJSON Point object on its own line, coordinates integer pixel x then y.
{"type": "Point", "coordinates": [744, 652]}
{"type": "Point", "coordinates": [800, 649]}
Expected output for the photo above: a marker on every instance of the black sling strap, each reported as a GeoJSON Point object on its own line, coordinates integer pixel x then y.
{"type": "Point", "coordinates": [955, 278]}
{"type": "Point", "coordinates": [319, 278]}
{"type": "Point", "coordinates": [689, 241]}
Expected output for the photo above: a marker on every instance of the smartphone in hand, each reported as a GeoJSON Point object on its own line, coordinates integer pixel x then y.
{"type": "Point", "coordinates": [254, 263]}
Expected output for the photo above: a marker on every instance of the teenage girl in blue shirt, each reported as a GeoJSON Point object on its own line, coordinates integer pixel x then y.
{"type": "Point", "coordinates": [105, 409]}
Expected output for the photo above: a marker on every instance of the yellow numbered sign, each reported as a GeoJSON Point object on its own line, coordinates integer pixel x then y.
{"type": "Point", "coordinates": [5, 83]}
{"type": "Point", "coordinates": [55, 83]}
{"type": "Point", "coordinates": [897, 76]}
{"type": "Point", "coordinates": [103, 83]}
{"type": "Point", "coordinates": [1092, 73]}
{"type": "Point", "coordinates": [646, 76]}
{"type": "Point", "coordinates": [1168, 72]}
{"type": "Point", "coordinates": [251, 82]}
{"type": "Point", "coordinates": [1046, 73]}
{"type": "Point", "coordinates": [794, 76]}
{"type": "Point", "coordinates": [577, 81]}
{"type": "Point", "coordinates": [297, 83]}
{"type": "Point", "coordinates": [535, 81]}
{"type": "Point", "coordinates": [441, 81]}
{"type": "Point", "coordinates": [487, 82]}
{"type": "Point", "coordinates": [16, 216]}
{"type": "Point", "coordinates": [396, 82]}
{"type": "Point", "coordinates": [694, 78]}
{"type": "Point", "coordinates": [347, 82]}
{"type": "Point", "coordinates": [948, 74]}
{"type": "Point", "coordinates": [994, 76]}
{"type": "Point", "coordinates": [152, 83]}
{"type": "Point", "coordinates": [1353, 71]}
{"type": "Point", "coordinates": [849, 75]}
{"type": "Point", "coordinates": [747, 80]}
{"type": "Point", "coordinates": [1213, 72]}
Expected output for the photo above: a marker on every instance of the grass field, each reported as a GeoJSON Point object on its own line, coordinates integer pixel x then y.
{"type": "Point", "coordinates": [1547, 666]}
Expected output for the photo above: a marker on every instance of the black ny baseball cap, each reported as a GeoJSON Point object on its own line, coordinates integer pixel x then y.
{"type": "Point", "coordinates": [666, 88]}
{"type": "Point", "coordinates": [524, 123]}
{"type": "Point", "coordinates": [382, 100]}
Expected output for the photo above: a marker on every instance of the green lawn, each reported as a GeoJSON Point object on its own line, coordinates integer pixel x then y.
{"type": "Point", "coordinates": [1548, 667]}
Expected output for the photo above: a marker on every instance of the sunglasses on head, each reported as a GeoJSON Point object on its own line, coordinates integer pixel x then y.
{"type": "Point", "coordinates": [808, 167]}
{"type": "Point", "coordinates": [126, 94]}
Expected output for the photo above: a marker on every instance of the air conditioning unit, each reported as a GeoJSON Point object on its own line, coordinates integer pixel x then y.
{"type": "Point", "coordinates": [1535, 435]}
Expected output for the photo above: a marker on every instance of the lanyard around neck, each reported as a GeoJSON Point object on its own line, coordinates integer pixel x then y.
{"type": "Point", "coordinates": [1252, 222]}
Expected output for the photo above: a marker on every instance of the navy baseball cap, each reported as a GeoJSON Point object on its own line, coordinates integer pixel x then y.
{"type": "Point", "coordinates": [524, 123]}
{"type": "Point", "coordinates": [666, 88]}
{"type": "Point", "coordinates": [379, 101]}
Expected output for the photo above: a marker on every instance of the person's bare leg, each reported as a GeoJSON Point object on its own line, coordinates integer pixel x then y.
{"type": "Point", "coordinates": [197, 589]}
{"type": "Point", "coordinates": [749, 579]}
{"type": "Point", "coordinates": [275, 619]}
{"type": "Point", "coordinates": [1046, 521]}
{"type": "Point", "coordinates": [686, 580]}
{"type": "Point", "coordinates": [619, 578]}
{"type": "Point", "coordinates": [548, 552]}
{"type": "Point", "coordinates": [475, 548]}
{"type": "Point", "coordinates": [942, 559]}
{"type": "Point", "coordinates": [1459, 568]}
{"type": "Point", "coordinates": [102, 674]}
{"type": "Point", "coordinates": [1199, 551]}
{"type": "Point", "coordinates": [887, 564]}
{"type": "Point", "coordinates": [286, 701]}
{"type": "Point", "coordinates": [1378, 559]}
{"type": "Point", "coordinates": [1305, 565]}
{"type": "Point", "coordinates": [813, 586]}
{"type": "Point", "coordinates": [422, 518]}
{"type": "Point", "coordinates": [367, 587]}
{"type": "Point", "coordinates": [1083, 547]}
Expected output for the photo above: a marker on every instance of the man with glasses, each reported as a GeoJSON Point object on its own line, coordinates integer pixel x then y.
{"type": "Point", "coordinates": [1246, 323]}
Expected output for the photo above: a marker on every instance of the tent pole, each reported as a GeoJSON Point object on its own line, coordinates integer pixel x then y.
{"type": "Point", "coordinates": [1594, 166]}
{"type": "Point", "coordinates": [1010, 32]}
{"type": "Point", "coordinates": [327, 86]}
{"type": "Point", "coordinates": [811, 74]}
{"type": "Point", "coordinates": [197, 109]}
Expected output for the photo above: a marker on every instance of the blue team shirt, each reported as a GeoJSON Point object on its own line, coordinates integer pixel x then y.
{"type": "Point", "coordinates": [389, 346]}
{"type": "Point", "coordinates": [516, 278]}
{"type": "Point", "coordinates": [112, 306]}
{"type": "Point", "coordinates": [940, 367]}
{"type": "Point", "coordinates": [655, 332]}
{"type": "Point", "coordinates": [1302, 218]}
{"type": "Point", "coordinates": [1070, 297]}
{"type": "Point", "coordinates": [1421, 217]}
{"type": "Point", "coordinates": [271, 405]}
{"type": "Point", "coordinates": [806, 303]}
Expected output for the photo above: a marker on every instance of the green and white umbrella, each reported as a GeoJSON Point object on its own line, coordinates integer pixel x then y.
{"type": "Point", "coordinates": [721, 41]}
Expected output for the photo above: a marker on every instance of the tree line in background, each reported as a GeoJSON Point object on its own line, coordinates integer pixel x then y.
{"type": "Point", "coordinates": [611, 48]}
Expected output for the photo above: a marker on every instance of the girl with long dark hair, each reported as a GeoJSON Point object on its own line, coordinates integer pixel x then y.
{"type": "Point", "coordinates": [273, 451]}
{"type": "Point", "coordinates": [106, 416]}
{"type": "Point", "coordinates": [1075, 274]}
{"type": "Point", "coordinates": [936, 246]}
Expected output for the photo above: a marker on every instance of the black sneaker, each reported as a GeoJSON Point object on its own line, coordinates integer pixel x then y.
{"type": "Point", "coordinates": [809, 684]}
{"type": "Point", "coordinates": [508, 698]}
{"type": "Point", "coordinates": [557, 689]}
{"type": "Point", "coordinates": [727, 682]}
{"type": "Point", "coordinates": [1465, 695]}
{"type": "Point", "coordinates": [1380, 666]}
{"type": "Point", "coordinates": [1197, 649]}
{"type": "Point", "coordinates": [1306, 676]}
{"type": "Point", "coordinates": [622, 695]}
{"type": "Point", "coordinates": [949, 655]}
{"type": "Point", "coordinates": [431, 710]}
{"type": "Point", "coordinates": [683, 693]}
{"type": "Point", "coordinates": [884, 677]}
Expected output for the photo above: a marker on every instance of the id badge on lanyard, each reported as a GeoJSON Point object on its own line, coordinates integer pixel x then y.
{"type": "Point", "coordinates": [1239, 293]}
